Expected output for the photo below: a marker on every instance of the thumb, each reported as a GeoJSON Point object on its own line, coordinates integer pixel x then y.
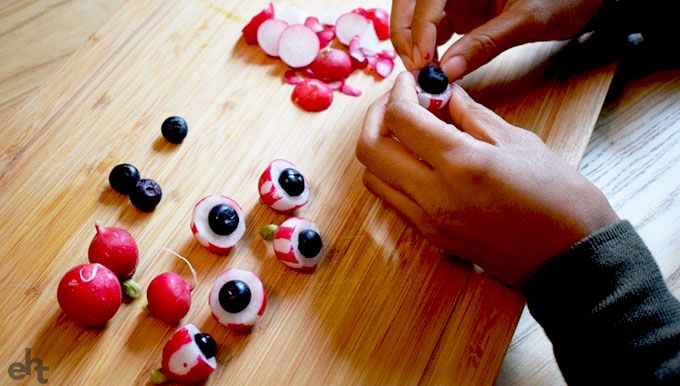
{"type": "Point", "coordinates": [485, 42]}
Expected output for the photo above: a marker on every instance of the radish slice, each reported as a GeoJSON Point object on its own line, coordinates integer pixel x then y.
{"type": "Point", "coordinates": [219, 243]}
{"type": "Point", "coordinates": [313, 95]}
{"type": "Point", "coordinates": [337, 85]}
{"type": "Point", "coordinates": [390, 54]}
{"type": "Point", "coordinates": [355, 50]}
{"type": "Point", "coordinates": [350, 25]}
{"type": "Point", "coordinates": [237, 299]}
{"type": "Point", "coordinates": [349, 90]}
{"type": "Point", "coordinates": [250, 30]}
{"type": "Point", "coordinates": [361, 11]}
{"type": "Point", "coordinates": [381, 22]}
{"type": "Point", "coordinates": [313, 24]}
{"type": "Point", "coordinates": [368, 40]}
{"type": "Point", "coordinates": [293, 15]}
{"type": "Point", "coordinates": [329, 16]}
{"type": "Point", "coordinates": [268, 36]}
{"type": "Point", "coordinates": [384, 66]}
{"type": "Point", "coordinates": [326, 35]}
{"type": "Point", "coordinates": [291, 77]}
{"type": "Point", "coordinates": [298, 46]}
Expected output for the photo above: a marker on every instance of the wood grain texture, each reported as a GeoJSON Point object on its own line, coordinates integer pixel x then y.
{"type": "Point", "coordinates": [383, 308]}
{"type": "Point", "coordinates": [36, 39]}
{"type": "Point", "coordinates": [633, 158]}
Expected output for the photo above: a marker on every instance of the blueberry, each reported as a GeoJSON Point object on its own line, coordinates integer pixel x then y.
{"type": "Point", "coordinates": [146, 195]}
{"type": "Point", "coordinates": [174, 129]}
{"type": "Point", "coordinates": [206, 344]}
{"type": "Point", "coordinates": [433, 80]}
{"type": "Point", "coordinates": [123, 178]}
{"type": "Point", "coordinates": [309, 243]}
{"type": "Point", "coordinates": [292, 182]}
{"type": "Point", "coordinates": [234, 296]}
{"type": "Point", "coordinates": [223, 219]}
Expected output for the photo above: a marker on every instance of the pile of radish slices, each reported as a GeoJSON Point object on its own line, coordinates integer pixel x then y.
{"type": "Point", "coordinates": [306, 44]}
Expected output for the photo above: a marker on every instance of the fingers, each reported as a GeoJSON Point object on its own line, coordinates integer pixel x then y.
{"type": "Point", "coordinates": [400, 27]}
{"type": "Point", "coordinates": [485, 42]}
{"type": "Point", "coordinates": [426, 17]}
{"type": "Point", "coordinates": [475, 119]}
{"type": "Point", "coordinates": [396, 199]}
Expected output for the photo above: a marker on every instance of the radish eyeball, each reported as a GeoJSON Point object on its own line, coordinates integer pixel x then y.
{"type": "Point", "coordinates": [237, 299]}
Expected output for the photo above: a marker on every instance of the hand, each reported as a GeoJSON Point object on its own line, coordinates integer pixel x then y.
{"type": "Point", "coordinates": [483, 190]}
{"type": "Point", "coordinates": [490, 27]}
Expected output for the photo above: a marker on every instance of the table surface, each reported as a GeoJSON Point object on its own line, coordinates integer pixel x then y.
{"type": "Point", "coordinates": [630, 156]}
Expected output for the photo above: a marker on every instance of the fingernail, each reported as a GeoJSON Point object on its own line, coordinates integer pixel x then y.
{"type": "Point", "coordinates": [455, 67]}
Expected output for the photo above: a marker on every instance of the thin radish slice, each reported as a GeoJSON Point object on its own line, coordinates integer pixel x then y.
{"type": "Point", "coordinates": [250, 30]}
{"type": "Point", "coordinates": [350, 25]}
{"type": "Point", "coordinates": [390, 54]}
{"type": "Point", "coordinates": [293, 15]}
{"type": "Point", "coordinates": [326, 35]}
{"type": "Point", "coordinates": [361, 11]}
{"type": "Point", "coordinates": [337, 85]}
{"type": "Point", "coordinates": [355, 50]}
{"type": "Point", "coordinates": [381, 22]}
{"type": "Point", "coordinates": [291, 77]}
{"type": "Point", "coordinates": [298, 46]}
{"type": "Point", "coordinates": [313, 24]}
{"type": "Point", "coordinates": [329, 16]}
{"type": "Point", "coordinates": [384, 66]}
{"type": "Point", "coordinates": [368, 40]}
{"type": "Point", "coordinates": [268, 36]}
{"type": "Point", "coordinates": [349, 90]}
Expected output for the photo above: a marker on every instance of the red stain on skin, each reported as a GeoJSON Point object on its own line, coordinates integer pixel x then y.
{"type": "Point", "coordinates": [427, 56]}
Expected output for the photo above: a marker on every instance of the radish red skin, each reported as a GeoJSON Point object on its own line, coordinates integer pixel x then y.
{"type": "Point", "coordinates": [332, 64]}
{"type": "Point", "coordinates": [89, 294]}
{"type": "Point", "coordinates": [381, 22]}
{"type": "Point", "coordinates": [116, 249]}
{"type": "Point", "coordinates": [169, 297]}
{"type": "Point", "coordinates": [313, 95]}
{"type": "Point", "coordinates": [250, 30]}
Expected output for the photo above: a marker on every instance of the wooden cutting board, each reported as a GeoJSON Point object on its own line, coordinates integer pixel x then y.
{"type": "Point", "coordinates": [384, 307]}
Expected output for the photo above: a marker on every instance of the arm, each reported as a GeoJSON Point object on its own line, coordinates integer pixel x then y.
{"type": "Point", "coordinates": [607, 311]}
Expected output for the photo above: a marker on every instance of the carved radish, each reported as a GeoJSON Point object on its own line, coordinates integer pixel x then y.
{"type": "Point", "coordinates": [237, 299]}
{"type": "Point", "coordinates": [189, 356]}
{"type": "Point", "coordinates": [218, 223]}
{"type": "Point", "coordinates": [282, 187]}
{"type": "Point", "coordinates": [297, 243]}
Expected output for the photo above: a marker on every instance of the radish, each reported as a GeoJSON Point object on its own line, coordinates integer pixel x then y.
{"type": "Point", "coordinates": [169, 294]}
{"type": "Point", "coordinates": [313, 95]}
{"type": "Point", "coordinates": [349, 90]}
{"type": "Point", "coordinates": [326, 35]}
{"type": "Point", "coordinates": [332, 64]}
{"type": "Point", "coordinates": [298, 46]}
{"type": "Point", "coordinates": [361, 11]}
{"type": "Point", "coordinates": [218, 223]}
{"type": "Point", "coordinates": [189, 356]}
{"type": "Point", "coordinates": [291, 77]}
{"type": "Point", "coordinates": [250, 30]}
{"type": "Point", "coordinates": [368, 40]}
{"type": "Point", "coordinates": [433, 88]}
{"type": "Point", "coordinates": [89, 294]}
{"type": "Point", "coordinates": [384, 66]}
{"type": "Point", "coordinates": [293, 15]}
{"type": "Point", "coordinates": [268, 35]}
{"type": "Point", "coordinates": [381, 22]}
{"type": "Point", "coordinates": [313, 24]}
{"type": "Point", "coordinates": [237, 299]}
{"type": "Point", "coordinates": [116, 249]}
{"type": "Point", "coordinates": [297, 243]}
{"type": "Point", "coordinates": [350, 25]}
{"type": "Point", "coordinates": [282, 187]}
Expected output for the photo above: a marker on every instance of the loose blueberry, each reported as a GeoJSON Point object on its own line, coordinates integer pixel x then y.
{"type": "Point", "coordinates": [309, 243]}
{"type": "Point", "coordinates": [433, 80]}
{"type": "Point", "coordinates": [292, 182]}
{"type": "Point", "coordinates": [146, 195]}
{"type": "Point", "coordinates": [123, 178]}
{"type": "Point", "coordinates": [206, 344]}
{"type": "Point", "coordinates": [223, 219]}
{"type": "Point", "coordinates": [174, 129]}
{"type": "Point", "coordinates": [234, 296]}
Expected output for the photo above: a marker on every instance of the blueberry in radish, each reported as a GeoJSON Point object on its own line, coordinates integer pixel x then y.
{"type": "Point", "coordinates": [218, 223]}
{"type": "Point", "coordinates": [188, 357]}
{"type": "Point", "coordinates": [297, 243]}
{"type": "Point", "coordinates": [116, 249]}
{"type": "Point", "coordinates": [123, 178]}
{"type": "Point", "coordinates": [169, 295]}
{"type": "Point", "coordinates": [282, 187]}
{"type": "Point", "coordinates": [146, 195]}
{"type": "Point", "coordinates": [332, 64]}
{"type": "Point", "coordinates": [432, 80]}
{"type": "Point", "coordinates": [309, 243]}
{"type": "Point", "coordinates": [237, 299]}
{"type": "Point", "coordinates": [313, 95]}
{"type": "Point", "coordinates": [174, 129]}
{"type": "Point", "coordinates": [89, 294]}
{"type": "Point", "coordinates": [234, 296]}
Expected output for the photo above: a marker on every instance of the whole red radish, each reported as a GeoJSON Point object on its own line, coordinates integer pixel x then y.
{"type": "Point", "coordinates": [116, 249]}
{"type": "Point", "coordinates": [89, 294]}
{"type": "Point", "coordinates": [169, 295]}
{"type": "Point", "coordinates": [313, 95]}
{"type": "Point", "coordinates": [332, 64]}
{"type": "Point", "coordinates": [381, 22]}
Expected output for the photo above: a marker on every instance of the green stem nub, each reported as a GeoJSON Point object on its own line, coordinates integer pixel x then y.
{"type": "Point", "coordinates": [132, 289]}
{"type": "Point", "coordinates": [157, 377]}
{"type": "Point", "coordinates": [268, 231]}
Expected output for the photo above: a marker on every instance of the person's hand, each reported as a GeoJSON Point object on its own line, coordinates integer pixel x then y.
{"type": "Point", "coordinates": [483, 190]}
{"type": "Point", "coordinates": [490, 27]}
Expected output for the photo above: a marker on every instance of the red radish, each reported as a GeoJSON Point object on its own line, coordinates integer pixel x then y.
{"type": "Point", "coordinates": [336, 85]}
{"type": "Point", "coordinates": [390, 54]}
{"type": "Point", "coordinates": [188, 357]}
{"type": "Point", "coordinates": [349, 90]}
{"type": "Point", "coordinates": [268, 35]}
{"type": "Point", "coordinates": [282, 187]}
{"type": "Point", "coordinates": [313, 24]}
{"type": "Point", "coordinates": [116, 249]}
{"type": "Point", "coordinates": [433, 102]}
{"type": "Point", "coordinates": [332, 64]}
{"type": "Point", "coordinates": [298, 46]}
{"type": "Point", "coordinates": [368, 41]}
{"type": "Point", "coordinates": [326, 35]}
{"type": "Point", "coordinates": [218, 223]}
{"type": "Point", "coordinates": [381, 22]}
{"type": "Point", "coordinates": [169, 294]}
{"type": "Point", "coordinates": [297, 243]}
{"type": "Point", "coordinates": [293, 15]}
{"type": "Point", "coordinates": [291, 77]}
{"type": "Point", "coordinates": [350, 25]}
{"type": "Point", "coordinates": [89, 294]}
{"type": "Point", "coordinates": [355, 50]}
{"type": "Point", "coordinates": [384, 66]}
{"type": "Point", "coordinates": [361, 11]}
{"type": "Point", "coordinates": [250, 30]}
{"type": "Point", "coordinates": [237, 299]}
{"type": "Point", "coordinates": [313, 95]}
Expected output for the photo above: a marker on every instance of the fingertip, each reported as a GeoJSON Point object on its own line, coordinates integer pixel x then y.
{"type": "Point", "coordinates": [455, 67]}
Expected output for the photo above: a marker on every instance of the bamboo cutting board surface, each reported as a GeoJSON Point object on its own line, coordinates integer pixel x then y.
{"type": "Point", "coordinates": [383, 308]}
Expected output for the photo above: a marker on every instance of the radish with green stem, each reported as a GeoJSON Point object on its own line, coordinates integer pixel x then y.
{"type": "Point", "coordinates": [115, 248]}
{"type": "Point", "coordinates": [169, 294]}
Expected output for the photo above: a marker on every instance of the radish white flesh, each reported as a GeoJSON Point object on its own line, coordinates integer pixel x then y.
{"type": "Point", "coordinates": [313, 23]}
{"type": "Point", "coordinates": [298, 46]}
{"type": "Point", "coordinates": [350, 25]}
{"type": "Point", "coordinates": [368, 40]}
{"type": "Point", "coordinates": [200, 225]}
{"type": "Point", "coordinates": [384, 66]}
{"type": "Point", "coordinates": [247, 316]}
{"type": "Point", "coordinates": [293, 15]}
{"type": "Point", "coordinates": [268, 36]}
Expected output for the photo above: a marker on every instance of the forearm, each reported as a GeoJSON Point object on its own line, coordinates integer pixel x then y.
{"type": "Point", "coordinates": [607, 311]}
